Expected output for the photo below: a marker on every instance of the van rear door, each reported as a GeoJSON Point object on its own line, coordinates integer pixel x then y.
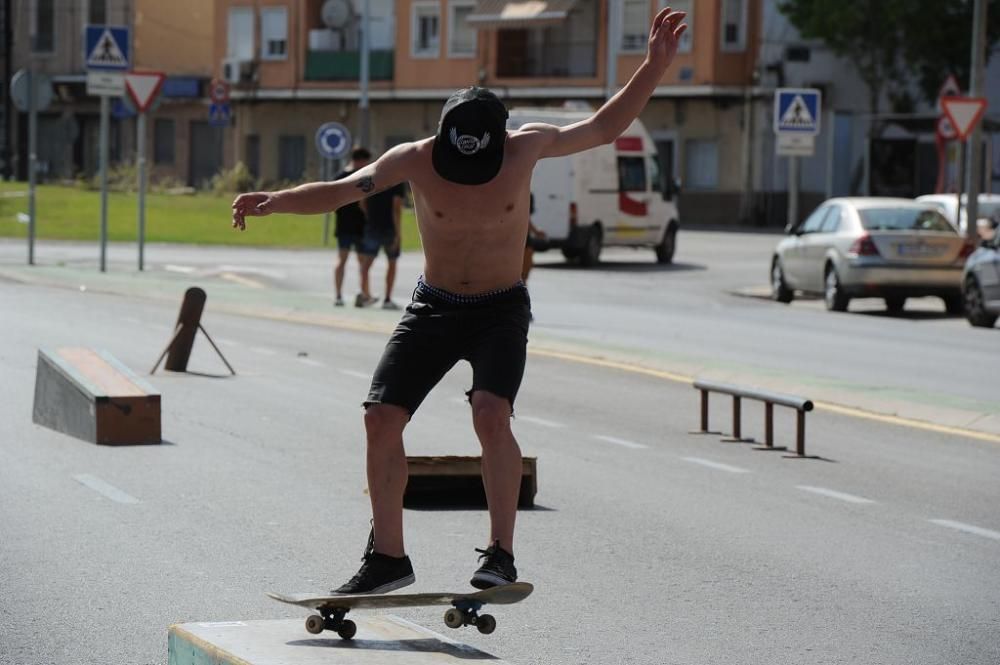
{"type": "Point", "coordinates": [635, 194]}
{"type": "Point", "coordinates": [552, 188]}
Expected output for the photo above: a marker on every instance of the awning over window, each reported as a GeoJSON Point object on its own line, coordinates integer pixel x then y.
{"type": "Point", "coordinates": [519, 13]}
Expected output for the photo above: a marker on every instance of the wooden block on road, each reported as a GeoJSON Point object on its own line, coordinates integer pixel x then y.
{"type": "Point", "coordinates": [91, 395]}
{"type": "Point", "coordinates": [442, 480]}
{"type": "Point", "coordinates": [380, 640]}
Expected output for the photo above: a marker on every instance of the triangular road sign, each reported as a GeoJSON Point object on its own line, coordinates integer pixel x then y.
{"type": "Point", "coordinates": [949, 88]}
{"type": "Point", "coordinates": [107, 52]}
{"type": "Point", "coordinates": [964, 113]}
{"type": "Point", "coordinates": [797, 114]}
{"type": "Point", "coordinates": [143, 88]}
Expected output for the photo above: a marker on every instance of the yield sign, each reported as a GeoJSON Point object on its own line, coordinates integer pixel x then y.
{"type": "Point", "coordinates": [143, 87]}
{"type": "Point", "coordinates": [964, 113]}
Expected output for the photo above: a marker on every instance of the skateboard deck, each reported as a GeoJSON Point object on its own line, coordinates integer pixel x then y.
{"type": "Point", "coordinates": [464, 609]}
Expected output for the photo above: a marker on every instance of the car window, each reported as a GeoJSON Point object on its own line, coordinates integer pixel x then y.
{"type": "Point", "coordinates": [655, 179]}
{"type": "Point", "coordinates": [831, 223]}
{"type": "Point", "coordinates": [632, 174]}
{"type": "Point", "coordinates": [904, 219]}
{"type": "Point", "coordinates": [814, 222]}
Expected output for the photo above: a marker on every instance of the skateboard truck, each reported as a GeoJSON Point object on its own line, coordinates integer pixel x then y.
{"type": "Point", "coordinates": [332, 619]}
{"type": "Point", "coordinates": [466, 613]}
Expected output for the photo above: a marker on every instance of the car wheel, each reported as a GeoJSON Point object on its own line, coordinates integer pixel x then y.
{"type": "Point", "coordinates": [570, 254]}
{"type": "Point", "coordinates": [591, 253]}
{"type": "Point", "coordinates": [895, 305]}
{"type": "Point", "coordinates": [665, 250]}
{"type": "Point", "coordinates": [833, 293]}
{"type": "Point", "coordinates": [779, 287]}
{"type": "Point", "coordinates": [975, 306]}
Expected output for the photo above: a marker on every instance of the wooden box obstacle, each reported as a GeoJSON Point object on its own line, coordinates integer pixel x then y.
{"type": "Point", "coordinates": [449, 480]}
{"type": "Point", "coordinates": [92, 396]}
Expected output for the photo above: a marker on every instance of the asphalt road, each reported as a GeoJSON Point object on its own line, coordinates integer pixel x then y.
{"type": "Point", "coordinates": [648, 545]}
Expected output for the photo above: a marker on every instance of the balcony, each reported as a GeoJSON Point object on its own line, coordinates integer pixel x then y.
{"type": "Point", "coordinates": [346, 65]}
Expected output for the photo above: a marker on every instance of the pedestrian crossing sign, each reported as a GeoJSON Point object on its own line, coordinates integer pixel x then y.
{"type": "Point", "coordinates": [107, 48]}
{"type": "Point", "coordinates": [797, 110]}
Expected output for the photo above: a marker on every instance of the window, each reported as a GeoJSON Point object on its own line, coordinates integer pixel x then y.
{"type": "Point", "coordinates": [274, 33]}
{"type": "Point", "coordinates": [814, 222]}
{"type": "Point", "coordinates": [702, 164]}
{"type": "Point", "coordinates": [426, 30]}
{"type": "Point", "coordinates": [239, 34]}
{"type": "Point", "coordinates": [291, 158]}
{"type": "Point", "coordinates": [43, 26]}
{"type": "Point", "coordinates": [832, 222]}
{"type": "Point", "coordinates": [734, 25]}
{"type": "Point", "coordinates": [687, 39]}
{"type": "Point", "coordinates": [635, 26]}
{"type": "Point", "coordinates": [97, 12]}
{"type": "Point", "coordinates": [163, 141]}
{"type": "Point", "coordinates": [461, 35]}
{"type": "Point", "coordinates": [632, 174]}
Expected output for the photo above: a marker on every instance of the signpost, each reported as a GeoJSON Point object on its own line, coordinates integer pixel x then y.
{"type": "Point", "coordinates": [143, 89]}
{"type": "Point", "coordinates": [31, 93]}
{"type": "Point", "coordinates": [963, 115]}
{"type": "Point", "coordinates": [106, 54]}
{"type": "Point", "coordinates": [797, 113]}
{"type": "Point", "coordinates": [333, 142]}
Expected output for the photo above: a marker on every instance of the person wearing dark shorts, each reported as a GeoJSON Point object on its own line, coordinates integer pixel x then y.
{"type": "Point", "coordinates": [350, 231]}
{"type": "Point", "coordinates": [384, 214]}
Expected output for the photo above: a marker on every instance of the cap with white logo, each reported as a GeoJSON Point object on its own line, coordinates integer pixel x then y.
{"type": "Point", "coordinates": [468, 148]}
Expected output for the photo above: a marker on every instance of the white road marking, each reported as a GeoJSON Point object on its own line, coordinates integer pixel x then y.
{"type": "Point", "coordinates": [969, 528]}
{"type": "Point", "coordinates": [620, 442]}
{"type": "Point", "coordinates": [263, 351]}
{"type": "Point", "coordinates": [833, 494]}
{"type": "Point", "coordinates": [540, 421]}
{"type": "Point", "coordinates": [181, 269]}
{"type": "Point", "coordinates": [241, 280]}
{"type": "Point", "coordinates": [226, 342]}
{"type": "Point", "coordinates": [715, 465]}
{"type": "Point", "coordinates": [356, 374]}
{"type": "Point", "coordinates": [103, 488]}
{"type": "Point", "coordinates": [311, 362]}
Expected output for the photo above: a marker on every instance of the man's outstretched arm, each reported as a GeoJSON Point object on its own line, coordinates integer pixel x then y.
{"type": "Point", "coordinates": [617, 114]}
{"type": "Point", "coordinates": [320, 197]}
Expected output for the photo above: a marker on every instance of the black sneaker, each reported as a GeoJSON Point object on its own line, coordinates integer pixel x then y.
{"type": "Point", "coordinates": [497, 569]}
{"type": "Point", "coordinates": [379, 573]}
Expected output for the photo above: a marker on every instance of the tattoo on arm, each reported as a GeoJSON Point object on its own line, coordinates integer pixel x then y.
{"type": "Point", "coordinates": [366, 184]}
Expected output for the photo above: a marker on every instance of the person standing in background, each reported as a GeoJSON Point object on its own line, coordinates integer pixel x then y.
{"type": "Point", "coordinates": [349, 231]}
{"type": "Point", "coordinates": [384, 214]}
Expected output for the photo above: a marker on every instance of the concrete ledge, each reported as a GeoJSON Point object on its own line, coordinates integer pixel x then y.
{"type": "Point", "coordinates": [380, 640]}
{"type": "Point", "coordinates": [455, 480]}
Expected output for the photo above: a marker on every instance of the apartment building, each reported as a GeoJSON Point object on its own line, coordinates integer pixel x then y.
{"type": "Point", "coordinates": [294, 65]}
{"type": "Point", "coordinates": [173, 37]}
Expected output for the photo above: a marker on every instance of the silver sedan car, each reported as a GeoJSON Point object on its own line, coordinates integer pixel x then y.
{"type": "Point", "coordinates": [872, 248]}
{"type": "Point", "coordinates": [981, 284]}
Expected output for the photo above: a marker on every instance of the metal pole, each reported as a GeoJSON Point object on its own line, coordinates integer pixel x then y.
{"type": "Point", "coordinates": [140, 162]}
{"type": "Point", "coordinates": [103, 152]}
{"type": "Point", "coordinates": [611, 80]}
{"type": "Point", "coordinates": [831, 120]}
{"type": "Point", "coordinates": [793, 190]}
{"type": "Point", "coordinates": [963, 149]}
{"type": "Point", "coordinates": [32, 164]}
{"type": "Point", "coordinates": [326, 174]}
{"type": "Point", "coordinates": [974, 163]}
{"type": "Point", "coordinates": [365, 120]}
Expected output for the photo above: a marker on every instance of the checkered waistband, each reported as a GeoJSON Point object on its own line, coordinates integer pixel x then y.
{"type": "Point", "coordinates": [423, 288]}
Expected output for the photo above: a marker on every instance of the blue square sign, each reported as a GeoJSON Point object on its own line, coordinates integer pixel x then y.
{"type": "Point", "coordinates": [106, 48]}
{"type": "Point", "coordinates": [797, 110]}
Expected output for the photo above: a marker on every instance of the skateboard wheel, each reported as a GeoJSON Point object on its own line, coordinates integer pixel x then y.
{"type": "Point", "coordinates": [454, 619]}
{"type": "Point", "coordinates": [486, 624]}
{"type": "Point", "coordinates": [315, 624]}
{"type": "Point", "coordinates": [348, 629]}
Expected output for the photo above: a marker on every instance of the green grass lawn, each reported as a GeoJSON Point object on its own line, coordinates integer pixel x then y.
{"type": "Point", "coordinates": [70, 213]}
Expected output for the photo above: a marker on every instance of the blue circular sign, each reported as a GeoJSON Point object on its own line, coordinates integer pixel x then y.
{"type": "Point", "coordinates": [333, 140]}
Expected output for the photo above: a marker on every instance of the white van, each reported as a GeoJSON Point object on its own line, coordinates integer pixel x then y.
{"type": "Point", "coordinates": [609, 196]}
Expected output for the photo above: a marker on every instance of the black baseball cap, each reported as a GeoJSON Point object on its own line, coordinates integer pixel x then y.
{"type": "Point", "coordinates": [468, 147]}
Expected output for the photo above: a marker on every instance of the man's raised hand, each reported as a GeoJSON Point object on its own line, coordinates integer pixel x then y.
{"type": "Point", "coordinates": [665, 36]}
{"type": "Point", "coordinates": [256, 204]}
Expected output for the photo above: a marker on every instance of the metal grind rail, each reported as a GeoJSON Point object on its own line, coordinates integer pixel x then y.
{"type": "Point", "coordinates": [770, 399]}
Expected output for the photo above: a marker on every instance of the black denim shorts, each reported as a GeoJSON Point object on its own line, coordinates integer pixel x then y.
{"type": "Point", "coordinates": [438, 329]}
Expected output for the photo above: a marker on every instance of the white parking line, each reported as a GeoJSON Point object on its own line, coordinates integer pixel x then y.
{"type": "Point", "coordinates": [968, 528]}
{"type": "Point", "coordinates": [263, 351]}
{"type": "Point", "coordinates": [356, 374]}
{"type": "Point", "coordinates": [833, 494]}
{"type": "Point", "coordinates": [715, 465]}
{"type": "Point", "coordinates": [311, 362]}
{"type": "Point", "coordinates": [540, 421]}
{"type": "Point", "coordinates": [620, 442]}
{"type": "Point", "coordinates": [103, 488]}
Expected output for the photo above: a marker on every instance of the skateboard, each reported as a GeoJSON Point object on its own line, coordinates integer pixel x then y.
{"type": "Point", "coordinates": [464, 610]}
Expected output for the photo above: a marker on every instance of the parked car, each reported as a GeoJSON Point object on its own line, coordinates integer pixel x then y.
{"type": "Point", "coordinates": [872, 247]}
{"type": "Point", "coordinates": [609, 196]}
{"type": "Point", "coordinates": [988, 214]}
{"type": "Point", "coordinates": [981, 284]}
